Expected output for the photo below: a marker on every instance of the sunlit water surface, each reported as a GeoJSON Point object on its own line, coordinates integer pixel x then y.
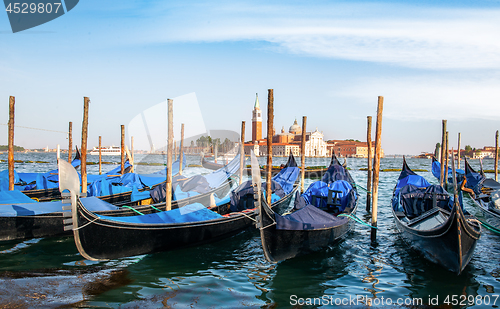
{"type": "Point", "coordinates": [233, 273]}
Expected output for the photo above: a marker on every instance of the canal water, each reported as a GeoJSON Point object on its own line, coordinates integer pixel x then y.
{"type": "Point", "coordinates": [233, 273]}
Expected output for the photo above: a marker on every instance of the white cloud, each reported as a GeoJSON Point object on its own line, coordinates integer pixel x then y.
{"type": "Point", "coordinates": [431, 97]}
{"type": "Point", "coordinates": [402, 35]}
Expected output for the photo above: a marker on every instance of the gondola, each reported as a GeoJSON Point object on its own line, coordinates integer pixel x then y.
{"type": "Point", "coordinates": [24, 218]}
{"type": "Point", "coordinates": [99, 237]}
{"type": "Point", "coordinates": [436, 171]}
{"type": "Point", "coordinates": [40, 186]}
{"type": "Point", "coordinates": [434, 223]}
{"type": "Point", "coordinates": [321, 217]}
{"type": "Point", "coordinates": [485, 192]}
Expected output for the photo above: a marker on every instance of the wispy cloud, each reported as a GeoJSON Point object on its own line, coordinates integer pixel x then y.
{"type": "Point", "coordinates": [402, 35]}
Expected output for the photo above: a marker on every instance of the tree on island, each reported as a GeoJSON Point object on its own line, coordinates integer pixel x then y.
{"type": "Point", "coordinates": [6, 148]}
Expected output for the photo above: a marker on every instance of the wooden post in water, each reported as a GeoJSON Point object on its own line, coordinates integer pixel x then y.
{"type": "Point", "coordinates": [132, 153]}
{"type": "Point", "coordinates": [242, 151]}
{"type": "Point", "coordinates": [458, 153]}
{"type": "Point", "coordinates": [376, 166]}
{"type": "Point", "coordinates": [216, 150]}
{"type": "Point", "coordinates": [83, 148]}
{"type": "Point", "coordinates": [100, 156]}
{"type": "Point", "coordinates": [122, 150]}
{"type": "Point", "coordinates": [70, 140]}
{"type": "Point", "coordinates": [441, 161]}
{"type": "Point", "coordinates": [303, 154]}
{"type": "Point", "coordinates": [270, 119]}
{"type": "Point", "coordinates": [446, 161]}
{"type": "Point", "coordinates": [10, 155]}
{"type": "Point", "coordinates": [58, 153]}
{"type": "Point", "coordinates": [181, 147]}
{"type": "Point", "coordinates": [496, 156]}
{"type": "Point", "coordinates": [370, 162]}
{"type": "Point", "coordinates": [170, 136]}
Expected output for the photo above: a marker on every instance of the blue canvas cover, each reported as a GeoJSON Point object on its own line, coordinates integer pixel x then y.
{"type": "Point", "coordinates": [4, 179]}
{"type": "Point", "coordinates": [8, 197]}
{"type": "Point", "coordinates": [414, 201]}
{"type": "Point", "coordinates": [242, 196]}
{"type": "Point", "coordinates": [286, 178]}
{"type": "Point", "coordinates": [308, 218]}
{"type": "Point", "coordinates": [34, 208]}
{"type": "Point", "coordinates": [347, 195]}
{"type": "Point", "coordinates": [436, 171]}
{"type": "Point", "coordinates": [190, 213]}
{"type": "Point", "coordinates": [198, 183]}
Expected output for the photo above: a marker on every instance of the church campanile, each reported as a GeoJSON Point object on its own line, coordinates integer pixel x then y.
{"type": "Point", "coordinates": [256, 120]}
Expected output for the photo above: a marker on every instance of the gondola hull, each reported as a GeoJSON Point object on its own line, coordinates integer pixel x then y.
{"type": "Point", "coordinates": [51, 224]}
{"type": "Point", "coordinates": [98, 239]}
{"type": "Point", "coordinates": [450, 245]}
{"type": "Point", "coordinates": [279, 245]}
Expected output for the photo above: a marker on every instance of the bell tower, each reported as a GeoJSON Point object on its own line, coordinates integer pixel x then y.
{"type": "Point", "coordinates": [256, 120]}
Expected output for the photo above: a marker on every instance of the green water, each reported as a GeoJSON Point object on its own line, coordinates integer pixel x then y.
{"type": "Point", "coordinates": [234, 274]}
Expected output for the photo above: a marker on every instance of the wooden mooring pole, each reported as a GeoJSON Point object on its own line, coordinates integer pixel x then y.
{"type": "Point", "coordinates": [168, 186]}
{"type": "Point", "coordinates": [496, 156]}
{"type": "Point", "coordinates": [270, 119]}
{"type": "Point", "coordinates": [70, 140]}
{"type": "Point", "coordinates": [122, 150]}
{"type": "Point", "coordinates": [446, 161]}
{"type": "Point", "coordinates": [370, 162]}
{"type": "Point", "coordinates": [303, 154]}
{"type": "Point", "coordinates": [441, 161]}
{"type": "Point", "coordinates": [100, 156]}
{"type": "Point", "coordinates": [242, 151]}
{"type": "Point", "coordinates": [376, 166]}
{"type": "Point", "coordinates": [458, 151]}
{"type": "Point", "coordinates": [10, 155]}
{"type": "Point", "coordinates": [181, 147]}
{"type": "Point", "coordinates": [83, 148]}
{"type": "Point", "coordinates": [132, 153]}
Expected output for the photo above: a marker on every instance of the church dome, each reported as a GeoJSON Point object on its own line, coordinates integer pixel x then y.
{"type": "Point", "coordinates": [295, 128]}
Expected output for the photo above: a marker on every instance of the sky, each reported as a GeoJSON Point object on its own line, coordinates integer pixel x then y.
{"type": "Point", "coordinates": [327, 60]}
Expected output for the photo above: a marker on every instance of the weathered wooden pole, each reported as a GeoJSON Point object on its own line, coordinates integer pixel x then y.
{"type": "Point", "coordinates": [70, 140]}
{"type": "Point", "coordinates": [83, 148]}
{"type": "Point", "coordinates": [370, 162]}
{"type": "Point", "coordinates": [216, 150]}
{"type": "Point", "coordinates": [270, 119]}
{"type": "Point", "coordinates": [446, 162]}
{"type": "Point", "coordinates": [168, 185]}
{"type": "Point", "coordinates": [496, 156]}
{"type": "Point", "coordinates": [376, 166]}
{"type": "Point", "coordinates": [58, 153]}
{"type": "Point", "coordinates": [10, 155]}
{"type": "Point", "coordinates": [100, 156]}
{"type": "Point", "coordinates": [303, 154]}
{"type": "Point", "coordinates": [122, 150]}
{"type": "Point", "coordinates": [441, 161]}
{"type": "Point", "coordinates": [181, 155]}
{"type": "Point", "coordinates": [458, 153]}
{"type": "Point", "coordinates": [242, 151]}
{"type": "Point", "coordinates": [132, 153]}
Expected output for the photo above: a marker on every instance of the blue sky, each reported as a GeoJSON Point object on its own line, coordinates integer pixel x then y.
{"type": "Point", "coordinates": [329, 61]}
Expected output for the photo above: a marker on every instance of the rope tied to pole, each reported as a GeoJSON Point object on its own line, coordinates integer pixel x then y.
{"type": "Point", "coordinates": [353, 217]}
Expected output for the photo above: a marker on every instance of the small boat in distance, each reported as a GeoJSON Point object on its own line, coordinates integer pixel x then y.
{"type": "Point", "coordinates": [106, 151]}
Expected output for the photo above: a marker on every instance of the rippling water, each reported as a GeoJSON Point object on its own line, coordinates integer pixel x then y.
{"type": "Point", "coordinates": [233, 273]}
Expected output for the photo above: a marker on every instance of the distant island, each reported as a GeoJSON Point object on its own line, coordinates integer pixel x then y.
{"type": "Point", "coordinates": [6, 148]}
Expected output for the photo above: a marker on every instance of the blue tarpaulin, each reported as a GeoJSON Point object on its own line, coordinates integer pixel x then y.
{"type": "Point", "coordinates": [307, 218]}
{"type": "Point", "coordinates": [190, 213]}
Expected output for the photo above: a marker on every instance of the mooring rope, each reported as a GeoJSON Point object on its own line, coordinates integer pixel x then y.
{"type": "Point", "coordinates": [137, 211]}
{"type": "Point", "coordinates": [357, 220]}
{"type": "Point", "coordinates": [358, 186]}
